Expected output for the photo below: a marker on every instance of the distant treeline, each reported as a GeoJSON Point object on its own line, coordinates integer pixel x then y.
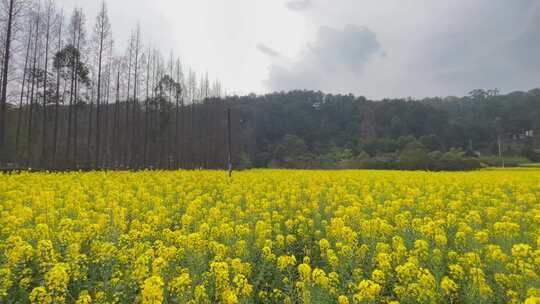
{"type": "Point", "coordinates": [160, 135]}
{"type": "Point", "coordinates": [300, 129]}
{"type": "Point", "coordinates": [308, 129]}
{"type": "Point", "coordinates": [70, 99]}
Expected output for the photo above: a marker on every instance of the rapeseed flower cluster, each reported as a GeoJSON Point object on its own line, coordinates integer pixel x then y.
{"type": "Point", "coordinates": [270, 237]}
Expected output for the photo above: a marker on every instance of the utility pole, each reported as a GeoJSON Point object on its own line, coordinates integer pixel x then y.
{"type": "Point", "coordinates": [229, 144]}
{"type": "Point", "coordinates": [500, 130]}
{"type": "Point", "coordinates": [501, 157]}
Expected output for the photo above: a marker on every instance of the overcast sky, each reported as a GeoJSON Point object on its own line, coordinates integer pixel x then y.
{"type": "Point", "coordinates": [374, 48]}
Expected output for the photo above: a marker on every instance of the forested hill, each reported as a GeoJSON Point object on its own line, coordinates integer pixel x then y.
{"type": "Point", "coordinates": [312, 129]}
{"type": "Point", "coordinates": [298, 129]}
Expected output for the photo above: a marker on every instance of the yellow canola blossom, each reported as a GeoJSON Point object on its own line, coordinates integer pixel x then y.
{"type": "Point", "coordinates": [270, 236]}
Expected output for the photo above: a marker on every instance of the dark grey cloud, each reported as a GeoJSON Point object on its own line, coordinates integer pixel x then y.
{"type": "Point", "coordinates": [298, 5]}
{"type": "Point", "coordinates": [495, 46]}
{"type": "Point", "coordinates": [333, 62]}
{"type": "Point", "coordinates": [347, 49]}
{"type": "Point", "coordinates": [267, 50]}
{"type": "Point", "coordinates": [435, 48]}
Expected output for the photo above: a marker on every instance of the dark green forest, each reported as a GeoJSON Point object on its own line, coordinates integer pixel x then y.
{"type": "Point", "coordinates": [298, 129]}
{"type": "Point", "coordinates": [305, 129]}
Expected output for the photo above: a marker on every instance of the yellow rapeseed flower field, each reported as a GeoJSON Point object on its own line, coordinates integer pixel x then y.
{"type": "Point", "coordinates": [270, 237]}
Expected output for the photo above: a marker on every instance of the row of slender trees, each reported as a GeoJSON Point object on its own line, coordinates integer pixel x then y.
{"type": "Point", "coordinates": [70, 100]}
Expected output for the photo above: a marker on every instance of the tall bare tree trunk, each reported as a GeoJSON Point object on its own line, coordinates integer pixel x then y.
{"type": "Point", "coordinates": [177, 119]}
{"type": "Point", "coordinates": [70, 112]}
{"type": "Point", "coordinates": [176, 139]}
{"type": "Point", "coordinates": [57, 102]}
{"type": "Point", "coordinates": [5, 69]}
{"type": "Point", "coordinates": [89, 137]}
{"type": "Point", "coordinates": [76, 96]}
{"type": "Point", "coordinates": [127, 131]}
{"type": "Point", "coordinates": [145, 151]}
{"type": "Point", "coordinates": [154, 99]}
{"type": "Point", "coordinates": [98, 109]}
{"type": "Point", "coordinates": [20, 109]}
{"type": "Point", "coordinates": [45, 83]}
{"type": "Point", "coordinates": [102, 24]}
{"type": "Point", "coordinates": [106, 160]}
{"type": "Point", "coordinates": [30, 110]}
{"type": "Point", "coordinates": [71, 130]}
{"type": "Point", "coordinates": [135, 100]}
{"type": "Point", "coordinates": [182, 134]}
{"type": "Point", "coordinates": [116, 127]}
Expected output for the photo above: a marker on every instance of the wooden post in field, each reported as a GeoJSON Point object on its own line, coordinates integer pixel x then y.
{"type": "Point", "coordinates": [229, 144]}
{"type": "Point", "coordinates": [501, 157]}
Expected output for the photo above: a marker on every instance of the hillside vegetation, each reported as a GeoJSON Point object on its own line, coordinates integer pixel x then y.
{"type": "Point", "coordinates": [305, 129]}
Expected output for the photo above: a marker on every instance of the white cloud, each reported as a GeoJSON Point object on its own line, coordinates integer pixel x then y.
{"type": "Point", "coordinates": [432, 47]}
{"type": "Point", "coordinates": [298, 5]}
{"type": "Point", "coordinates": [218, 36]}
{"type": "Point", "coordinates": [438, 47]}
{"type": "Point", "coordinates": [334, 62]}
